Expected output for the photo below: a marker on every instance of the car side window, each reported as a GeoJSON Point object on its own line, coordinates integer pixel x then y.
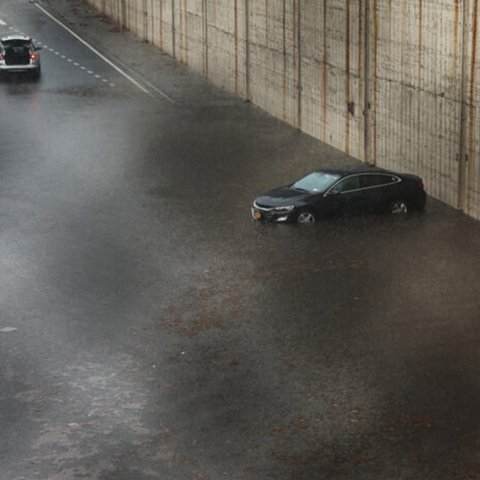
{"type": "Point", "coordinates": [375, 180]}
{"type": "Point", "coordinates": [347, 184]}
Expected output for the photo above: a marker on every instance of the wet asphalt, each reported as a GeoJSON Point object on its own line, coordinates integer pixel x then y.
{"type": "Point", "coordinates": [150, 329]}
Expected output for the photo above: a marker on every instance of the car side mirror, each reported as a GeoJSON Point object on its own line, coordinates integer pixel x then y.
{"type": "Point", "coordinates": [332, 193]}
{"type": "Point", "coordinates": [38, 48]}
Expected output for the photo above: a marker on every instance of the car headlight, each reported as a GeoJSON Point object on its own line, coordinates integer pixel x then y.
{"type": "Point", "coordinates": [286, 209]}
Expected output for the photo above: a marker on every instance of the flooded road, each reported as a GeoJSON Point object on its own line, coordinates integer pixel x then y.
{"type": "Point", "coordinates": [151, 329]}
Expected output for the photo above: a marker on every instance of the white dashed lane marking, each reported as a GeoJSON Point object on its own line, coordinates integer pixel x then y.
{"type": "Point", "coordinates": [2, 22]}
{"type": "Point", "coordinates": [105, 59]}
{"type": "Point", "coordinates": [8, 329]}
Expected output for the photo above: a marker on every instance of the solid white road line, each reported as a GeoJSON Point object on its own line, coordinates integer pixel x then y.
{"type": "Point", "coordinates": [81, 40]}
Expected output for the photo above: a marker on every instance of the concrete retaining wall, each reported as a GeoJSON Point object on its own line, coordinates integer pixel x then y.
{"type": "Point", "coordinates": [399, 90]}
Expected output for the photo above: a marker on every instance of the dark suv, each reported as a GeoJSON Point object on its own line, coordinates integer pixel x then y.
{"type": "Point", "coordinates": [19, 54]}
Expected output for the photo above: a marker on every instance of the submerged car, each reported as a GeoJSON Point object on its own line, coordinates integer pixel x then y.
{"type": "Point", "coordinates": [19, 54]}
{"type": "Point", "coordinates": [336, 191]}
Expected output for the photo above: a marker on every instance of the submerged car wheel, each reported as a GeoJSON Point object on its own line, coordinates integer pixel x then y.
{"type": "Point", "coordinates": [306, 217]}
{"type": "Point", "coordinates": [398, 207]}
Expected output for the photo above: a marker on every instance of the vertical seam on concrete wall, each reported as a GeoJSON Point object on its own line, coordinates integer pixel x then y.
{"type": "Point", "coordinates": [375, 79]}
{"type": "Point", "coordinates": [247, 49]}
{"type": "Point", "coordinates": [236, 43]}
{"type": "Point", "coordinates": [284, 52]}
{"type": "Point", "coordinates": [145, 20]}
{"type": "Point", "coordinates": [463, 111]}
{"type": "Point", "coordinates": [205, 36]}
{"type": "Point", "coordinates": [455, 39]}
{"type": "Point", "coordinates": [299, 63]}
{"type": "Point", "coordinates": [366, 93]}
{"type": "Point", "coordinates": [268, 66]}
{"type": "Point", "coordinates": [325, 72]}
{"type": "Point", "coordinates": [173, 29]}
{"type": "Point", "coordinates": [471, 123]}
{"type": "Point", "coordinates": [347, 77]}
{"type": "Point", "coordinates": [420, 79]}
{"type": "Point", "coordinates": [181, 40]}
{"type": "Point", "coordinates": [185, 26]}
{"type": "Point", "coordinates": [152, 14]}
{"type": "Point", "coordinates": [160, 19]}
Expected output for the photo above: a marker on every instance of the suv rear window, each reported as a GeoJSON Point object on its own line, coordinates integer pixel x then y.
{"type": "Point", "coordinates": [17, 43]}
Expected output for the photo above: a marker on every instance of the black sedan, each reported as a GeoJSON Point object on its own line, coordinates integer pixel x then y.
{"type": "Point", "coordinates": [334, 191]}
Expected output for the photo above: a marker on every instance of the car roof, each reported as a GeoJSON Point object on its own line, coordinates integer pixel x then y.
{"type": "Point", "coordinates": [352, 170]}
{"type": "Point", "coordinates": [9, 38]}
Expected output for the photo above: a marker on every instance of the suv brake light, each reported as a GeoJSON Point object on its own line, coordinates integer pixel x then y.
{"type": "Point", "coordinates": [2, 57]}
{"type": "Point", "coordinates": [33, 56]}
{"type": "Point", "coordinates": [421, 186]}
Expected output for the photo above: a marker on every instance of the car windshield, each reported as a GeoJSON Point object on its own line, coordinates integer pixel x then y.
{"type": "Point", "coordinates": [316, 182]}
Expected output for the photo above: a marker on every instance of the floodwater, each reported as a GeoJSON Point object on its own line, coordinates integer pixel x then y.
{"type": "Point", "coordinates": [151, 329]}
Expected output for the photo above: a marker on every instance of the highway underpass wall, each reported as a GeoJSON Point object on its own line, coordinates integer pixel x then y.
{"type": "Point", "coordinates": [391, 82]}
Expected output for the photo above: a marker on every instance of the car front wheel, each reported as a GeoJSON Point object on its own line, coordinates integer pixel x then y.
{"type": "Point", "coordinates": [306, 217]}
{"type": "Point", "coordinates": [398, 207]}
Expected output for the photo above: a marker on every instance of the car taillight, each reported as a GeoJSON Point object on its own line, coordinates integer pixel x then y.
{"type": "Point", "coordinates": [421, 186]}
{"type": "Point", "coordinates": [2, 57]}
{"type": "Point", "coordinates": [33, 56]}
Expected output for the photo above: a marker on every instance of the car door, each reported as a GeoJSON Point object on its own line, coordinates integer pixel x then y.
{"type": "Point", "coordinates": [346, 196]}
{"type": "Point", "coordinates": [378, 190]}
